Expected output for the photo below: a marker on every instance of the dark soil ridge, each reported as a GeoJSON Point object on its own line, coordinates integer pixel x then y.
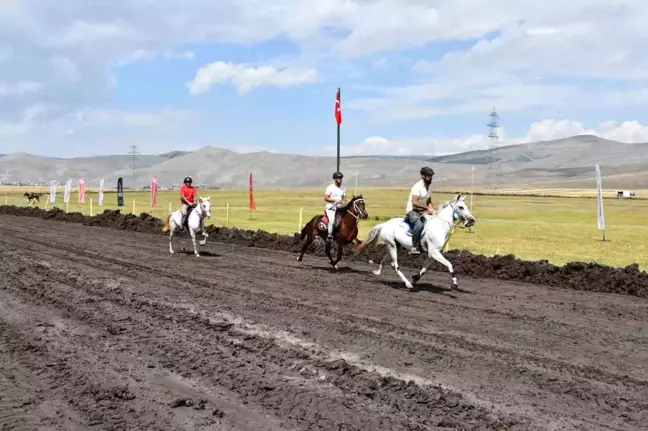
{"type": "Point", "coordinates": [584, 276]}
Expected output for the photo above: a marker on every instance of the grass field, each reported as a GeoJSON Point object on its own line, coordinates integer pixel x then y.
{"type": "Point", "coordinates": [559, 229]}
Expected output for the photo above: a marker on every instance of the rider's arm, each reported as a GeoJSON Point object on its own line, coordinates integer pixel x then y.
{"type": "Point", "coordinates": [328, 198]}
{"type": "Point", "coordinates": [416, 202]}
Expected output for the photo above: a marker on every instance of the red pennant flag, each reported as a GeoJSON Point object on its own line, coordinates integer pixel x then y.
{"type": "Point", "coordinates": [81, 190]}
{"type": "Point", "coordinates": [338, 108]}
{"type": "Point", "coordinates": [252, 204]}
{"type": "Point", "coordinates": [153, 191]}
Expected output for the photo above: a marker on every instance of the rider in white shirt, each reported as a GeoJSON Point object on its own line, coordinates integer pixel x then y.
{"type": "Point", "coordinates": [335, 196]}
{"type": "Point", "coordinates": [418, 203]}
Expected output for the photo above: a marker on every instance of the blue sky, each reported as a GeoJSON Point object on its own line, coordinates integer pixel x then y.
{"type": "Point", "coordinates": [416, 76]}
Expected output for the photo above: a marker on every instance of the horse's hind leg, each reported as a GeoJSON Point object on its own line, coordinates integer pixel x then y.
{"type": "Point", "coordinates": [393, 253]}
{"type": "Point", "coordinates": [171, 240]}
{"type": "Point", "coordinates": [309, 240]}
{"type": "Point", "coordinates": [386, 258]}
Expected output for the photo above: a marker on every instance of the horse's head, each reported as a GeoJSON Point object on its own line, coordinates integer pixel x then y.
{"type": "Point", "coordinates": [461, 211]}
{"type": "Point", "coordinates": [358, 205]}
{"type": "Point", "coordinates": [205, 206]}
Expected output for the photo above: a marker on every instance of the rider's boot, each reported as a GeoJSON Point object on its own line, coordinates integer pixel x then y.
{"type": "Point", "coordinates": [416, 239]}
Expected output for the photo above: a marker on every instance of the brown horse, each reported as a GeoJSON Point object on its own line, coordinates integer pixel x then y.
{"type": "Point", "coordinates": [345, 229]}
{"type": "Point", "coordinates": [31, 197]}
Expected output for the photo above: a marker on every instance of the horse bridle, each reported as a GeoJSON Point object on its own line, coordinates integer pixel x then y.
{"type": "Point", "coordinates": [456, 212]}
{"type": "Point", "coordinates": [355, 208]}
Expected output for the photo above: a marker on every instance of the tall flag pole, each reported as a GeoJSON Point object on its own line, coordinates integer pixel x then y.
{"type": "Point", "coordinates": [338, 120]}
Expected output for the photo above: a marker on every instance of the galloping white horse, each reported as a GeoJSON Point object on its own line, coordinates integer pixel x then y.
{"type": "Point", "coordinates": [195, 222]}
{"type": "Point", "coordinates": [435, 234]}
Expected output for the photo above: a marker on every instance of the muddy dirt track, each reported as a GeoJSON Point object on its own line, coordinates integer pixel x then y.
{"type": "Point", "coordinates": [103, 329]}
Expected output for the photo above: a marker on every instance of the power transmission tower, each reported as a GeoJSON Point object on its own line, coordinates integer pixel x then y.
{"type": "Point", "coordinates": [134, 155]}
{"type": "Point", "coordinates": [494, 177]}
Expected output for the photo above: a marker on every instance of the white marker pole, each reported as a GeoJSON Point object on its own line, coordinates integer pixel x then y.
{"type": "Point", "coordinates": [355, 189]}
{"type": "Point", "coordinates": [301, 214]}
{"type": "Point", "coordinates": [90, 207]}
{"type": "Point", "coordinates": [133, 206]}
{"type": "Point", "coordinates": [227, 216]}
{"type": "Point", "coordinates": [599, 191]}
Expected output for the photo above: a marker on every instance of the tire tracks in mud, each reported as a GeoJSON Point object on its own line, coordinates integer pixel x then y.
{"type": "Point", "coordinates": [385, 327]}
{"type": "Point", "coordinates": [306, 392]}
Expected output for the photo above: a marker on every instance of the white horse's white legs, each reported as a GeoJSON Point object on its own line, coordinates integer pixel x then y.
{"type": "Point", "coordinates": [193, 240]}
{"type": "Point", "coordinates": [436, 255]}
{"type": "Point", "coordinates": [204, 241]}
{"type": "Point", "coordinates": [171, 240]}
{"type": "Point", "coordinates": [386, 258]}
{"type": "Point", "coordinates": [393, 253]}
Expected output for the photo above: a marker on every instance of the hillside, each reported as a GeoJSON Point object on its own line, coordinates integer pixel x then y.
{"type": "Point", "coordinates": [560, 163]}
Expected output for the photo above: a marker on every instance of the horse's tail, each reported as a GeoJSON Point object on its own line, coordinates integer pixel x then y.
{"type": "Point", "coordinates": [308, 225]}
{"type": "Point", "coordinates": [167, 225]}
{"type": "Point", "coordinates": [371, 239]}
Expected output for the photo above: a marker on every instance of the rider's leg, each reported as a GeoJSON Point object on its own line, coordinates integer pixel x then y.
{"type": "Point", "coordinates": [417, 228]}
{"type": "Point", "coordinates": [183, 211]}
{"type": "Point", "coordinates": [330, 213]}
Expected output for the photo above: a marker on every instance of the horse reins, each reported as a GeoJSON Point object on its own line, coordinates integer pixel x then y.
{"type": "Point", "coordinates": [355, 207]}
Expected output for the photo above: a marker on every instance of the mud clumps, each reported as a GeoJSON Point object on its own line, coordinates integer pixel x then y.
{"type": "Point", "coordinates": [575, 275]}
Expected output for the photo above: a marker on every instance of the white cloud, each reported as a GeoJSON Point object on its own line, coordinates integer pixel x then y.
{"type": "Point", "coordinates": [530, 57]}
{"type": "Point", "coordinates": [22, 87]}
{"type": "Point", "coordinates": [245, 78]}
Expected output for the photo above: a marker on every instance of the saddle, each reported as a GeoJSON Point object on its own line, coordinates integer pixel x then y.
{"type": "Point", "coordinates": [323, 225]}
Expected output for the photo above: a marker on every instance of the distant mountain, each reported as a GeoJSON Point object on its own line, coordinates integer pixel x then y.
{"type": "Point", "coordinates": [565, 162]}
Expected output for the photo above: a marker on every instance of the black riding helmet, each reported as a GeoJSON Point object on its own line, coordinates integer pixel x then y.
{"type": "Point", "coordinates": [338, 175]}
{"type": "Point", "coordinates": [427, 171]}
{"type": "Point", "coordinates": [187, 180]}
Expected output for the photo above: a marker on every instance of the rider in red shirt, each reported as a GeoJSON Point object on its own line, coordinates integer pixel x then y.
{"type": "Point", "coordinates": [187, 197]}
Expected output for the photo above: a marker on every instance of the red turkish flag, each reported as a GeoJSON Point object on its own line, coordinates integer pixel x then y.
{"type": "Point", "coordinates": [338, 108]}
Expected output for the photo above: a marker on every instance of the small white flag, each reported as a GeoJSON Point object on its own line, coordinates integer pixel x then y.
{"type": "Point", "coordinates": [68, 188]}
{"type": "Point", "coordinates": [52, 194]}
{"type": "Point", "coordinates": [101, 192]}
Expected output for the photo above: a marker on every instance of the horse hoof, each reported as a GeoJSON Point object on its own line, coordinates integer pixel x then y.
{"type": "Point", "coordinates": [336, 267]}
{"type": "Point", "coordinates": [409, 286]}
{"type": "Point", "coordinates": [454, 286]}
{"type": "Point", "coordinates": [376, 272]}
{"type": "Point", "coordinates": [197, 254]}
{"type": "Point", "coordinates": [171, 251]}
{"type": "Point", "coordinates": [416, 278]}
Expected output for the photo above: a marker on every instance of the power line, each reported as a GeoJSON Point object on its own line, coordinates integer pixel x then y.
{"type": "Point", "coordinates": [134, 155]}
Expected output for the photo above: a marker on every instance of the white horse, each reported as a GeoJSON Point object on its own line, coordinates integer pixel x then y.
{"type": "Point", "coordinates": [195, 222]}
{"type": "Point", "coordinates": [435, 234]}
